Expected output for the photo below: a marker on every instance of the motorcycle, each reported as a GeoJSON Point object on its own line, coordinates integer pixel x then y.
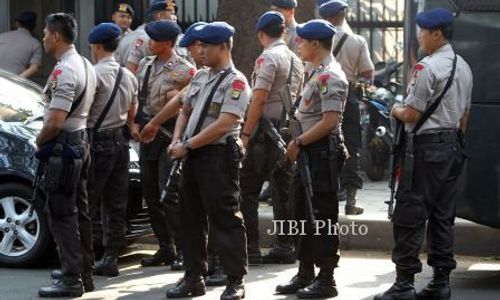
{"type": "Point", "coordinates": [377, 126]}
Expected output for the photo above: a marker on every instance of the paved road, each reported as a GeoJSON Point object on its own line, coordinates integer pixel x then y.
{"type": "Point", "coordinates": [360, 276]}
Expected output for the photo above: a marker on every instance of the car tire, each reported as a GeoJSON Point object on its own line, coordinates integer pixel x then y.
{"type": "Point", "coordinates": [25, 251]}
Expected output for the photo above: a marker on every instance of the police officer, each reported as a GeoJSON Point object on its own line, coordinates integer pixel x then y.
{"type": "Point", "coordinates": [160, 10]}
{"type": "Point", "coordinates": [122, 17]}
{"type": "Point", "coordinates": [274, 69]}
{"type": "Point", "coordinates": [63, 147]}
{"type": "Point", "coordinates": [212, 117]}
{"type": "Point", "coordinates": [351, 51]}
{"type": "Point", "coordinates": [137, 41]}
{"type": "Point", "coordinates": [287, 8]}
{"type": "Point", "coordinates": [160, 77]}
{"type": "Point", "coordinates": [21, 52]}
{"type": "Point", "coordinates": [115, 104]}
{"type": "Point", "coordinates": [320, 116]}
{"type": "Point", "coordinates": [171, 109]}
{"type": "Point", "coordinates": [428, 187]}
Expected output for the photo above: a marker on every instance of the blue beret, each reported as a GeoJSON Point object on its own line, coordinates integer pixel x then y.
{"type": "Point", "coordinates": [125, 8]}
{"type": "Point", "coordinates": [284, 3]}
{"type": "Point", "coordinates": [434, 18]}
{"type": "Point", "coordinates": [188, 38]}
{"type": "Point", "coordinates": [321, 2]}
{"type": "Point", "coordinates": [269, 18]}
{"type": "Point", "coordinates": [213, 33]}
{"type": "Point", "coordinates": [316, 30]}
{"type": "Point", "coordinates": [163, 30]}
{"type": "Point", "coordinates": [163, 5]}
{"type": "Point", "coordinates": [26, 17]}
{"type": "Point", "coordinates": [331, 8]}
{"type": "Point", "coordinates": [104, 32]}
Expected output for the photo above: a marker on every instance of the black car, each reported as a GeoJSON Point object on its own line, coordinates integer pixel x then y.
{"type": "Point", "coordinates": [25, 240]}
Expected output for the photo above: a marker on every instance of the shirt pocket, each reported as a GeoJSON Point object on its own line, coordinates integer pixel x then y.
{"type": "Point", "coordinates": [308, 103]}
{"type": "Point", "coordinates": [217, 102]}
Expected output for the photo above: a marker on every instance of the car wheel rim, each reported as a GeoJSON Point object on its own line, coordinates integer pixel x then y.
{"type": "Point", "coordinates": [18, 231]}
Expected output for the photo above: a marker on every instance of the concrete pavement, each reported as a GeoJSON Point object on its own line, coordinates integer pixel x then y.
{"type": "Point", "coordinates": [361, 275]}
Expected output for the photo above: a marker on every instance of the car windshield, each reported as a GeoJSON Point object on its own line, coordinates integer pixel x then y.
{"type": "Point", "coordinates": [20, 99]}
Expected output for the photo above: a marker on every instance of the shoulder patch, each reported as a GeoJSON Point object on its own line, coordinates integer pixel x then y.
{"type": "Point", "coordinates": [138, 43]}
{"type": "Point", "coordinates": [238, 86]}
{"type": "Point", "coordinates": [54, 77]}
{"type": "Point", "coordinates": [323, 83]}
{"type": "Point", "coordinates": [414, 75]}
{"type": "Point", "coordinates": [192, 72]}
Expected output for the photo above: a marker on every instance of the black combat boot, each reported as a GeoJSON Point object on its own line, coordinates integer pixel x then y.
{"type": "Point", "coordinates": [88, 282]}
{"type": "Point", "coordinates": [350, 205]}
{"type": "Point", "coordinates": [189, 286]}
{"type": "Point", "coordinates": [68, 286]}
{"type": "Point", "coordinates": [178, 263]}
{"type": "Point", "coordinates": [279, 255]}
{"type": "Point", "coordinates": [402, 289]}
{"type": "Point", "coordinates": [303, 278]}
{"type": "Point", "coordinates": [218, 276]}
{"type": "Point", "coordinates": [254, 258]}
{"type": "Point", "coordinates": [323, 286]}
{"type": "Point", "coordinates": [56, 274]}
{"type": "Point", "coordinates": [108, 265]}
{"type": "Point", "coordinates": [235, 290]}
{"type": "Point", "coordinates": [438, 288]}
{"type": "Point", "coordinates": [341, 195]}
{"type": "Point", "coordinates": [164, 256]}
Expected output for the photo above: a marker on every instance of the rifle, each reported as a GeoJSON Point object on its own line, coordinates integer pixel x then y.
{"type": "Point", "coordinates": [303, 160]}
{"type": "Point", "coordinates": [394, 162]}
{"type": "Point", "coordinates": [276, 138]}
{"type": "Point", "coordinates": [40, 169]}
{"type": "Point", "coordinates": [172, 185]}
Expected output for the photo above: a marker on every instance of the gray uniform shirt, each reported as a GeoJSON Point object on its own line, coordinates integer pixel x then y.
{"type": "Point", "coordinates": [291, 38]}
{"type": "Point", "coordinates": [141, 49]}
{"type": "Point", "coordinates": [326, 90]}
{"type": "Point", "coordinates": [106, 71]}
{"type": "Point", "coordinates": [66, 84]}
{"type": "Point", "coordinates": [427, 82]}
{"type": "Point", "coordinates": [271, 73]}
{"type": "Point", "coordinates": [354, 56]}
{"type": "Point", "coordinates": [128, 42]}
{"type": "Point", "coordinates": [173, 75]}
{"type": "Point", "coordinates": [18, 50]}
{"type": "Point", "coordinates": [232, 96]}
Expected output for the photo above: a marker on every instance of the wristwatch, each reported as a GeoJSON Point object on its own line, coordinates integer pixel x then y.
{"type": "Point", "coordinates": [186, 144]}
{"type": "Point", "coordinates": [297, 142]}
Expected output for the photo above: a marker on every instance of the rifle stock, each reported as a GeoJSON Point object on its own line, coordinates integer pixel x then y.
{"type": "Point", "coordinates": [303, 159]}
{"type": "Point", "coordinates": [395, 165]}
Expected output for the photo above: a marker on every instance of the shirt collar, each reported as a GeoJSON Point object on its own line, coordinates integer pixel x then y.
{"type": "Point", "coordinates": [276, 43]}
{"type": "Point", "coordinates": [326, 61]}
{"type": "Point", "coordinates": [443, 49]}
{"type": "Point", "coordinates": [110, 58]}
{"type": "Point", "coordinates": [24, 30]}
{"type": "Point", "coordinates": [69, 52]}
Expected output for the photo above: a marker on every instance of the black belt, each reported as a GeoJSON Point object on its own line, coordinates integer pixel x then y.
{"type": "Point", "coordinates": [209, 150]}
{"type": "Point", "coordinates": [325, 142]}
{"type": "Point", "coordinates": [438, 137]}
{"type": "Point", "coordinates": [73, 137]}
{"type": "Point", "coordinates": [114, 134]}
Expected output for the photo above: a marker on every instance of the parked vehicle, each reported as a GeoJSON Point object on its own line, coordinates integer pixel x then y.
{"type": "Point", "coordinates": [25, 240]}
{"type": "Point", "coordinates": [376, 125]}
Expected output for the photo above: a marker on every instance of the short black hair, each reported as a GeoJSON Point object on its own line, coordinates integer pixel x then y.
{"type": "Point", "coordinates": [327, 44]}
{"type": "Point", "coordinates": [274, 31]}
{"type": "Point", "coordinates": [446, 30]}
{"type": "Point", "coordinates": [64, 24]}
{"type": "Point", "coordinates": [110, 46]}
